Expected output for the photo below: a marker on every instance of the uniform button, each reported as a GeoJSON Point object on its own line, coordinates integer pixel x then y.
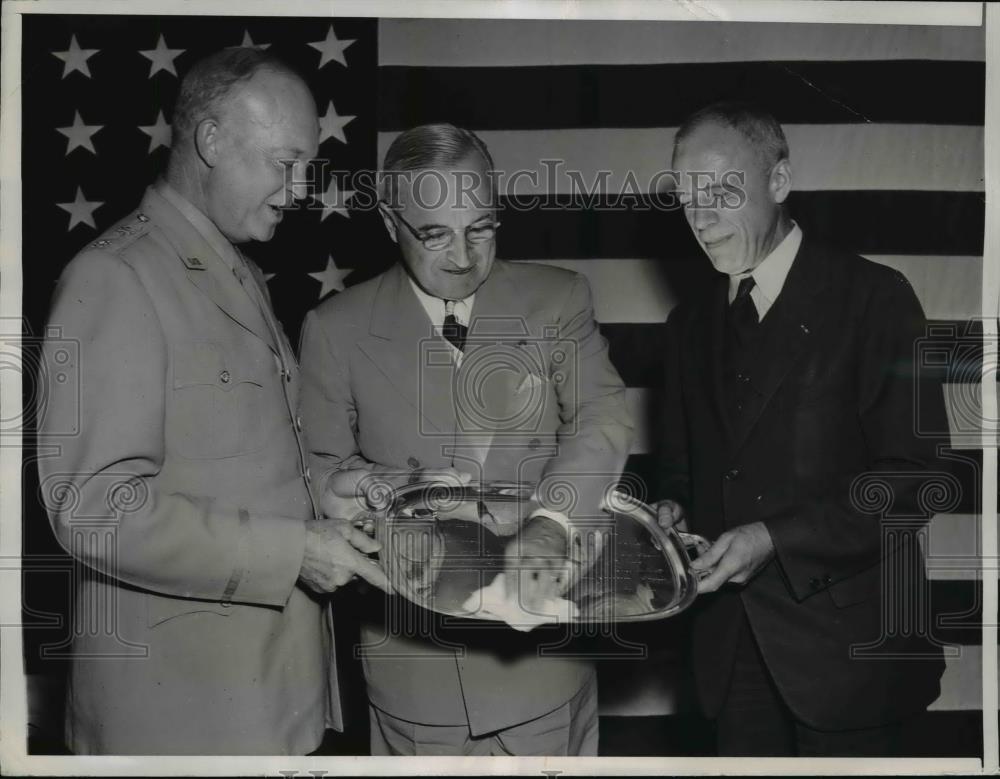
{"type": "Point", "coordinates": [534, 443]}
{"type": "Point", "coordinates": [413, 462]}
{"type": "Point", "coordinates": [308, 474]}
{"type": "Point", "coordinates": [224, 377]}
{"type": "Point", "coordinates": [732, 474]}
{"type": "Point", "coordinates": [298, 424]}
{"type": "Point", "coordinates": [828, 580]}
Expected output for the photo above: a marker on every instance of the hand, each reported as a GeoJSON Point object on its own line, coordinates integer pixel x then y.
{"type": "Point", "coordinates": [537, 562]}
{"type": "Point", "coordinates": [336, 553]}
{"type": "Point", "coordinates": [344, 497]}
{"type": "Point", "coordinates": [735, 556]}
{"type": "Point", "coordinates": [670, 514]}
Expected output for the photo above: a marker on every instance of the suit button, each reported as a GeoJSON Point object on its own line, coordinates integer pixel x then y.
{"type": "Point", "coordinates": [815, 583]}
{"type": "Point", "coordinates": [224, 377]}
{"type": "Point", "coordinates": [534, 443]}
{"type": "Point", "coordinates": [413, 462]}
{"type": "Point", "coordinates": [732, 474]}
{"type": "Point", "coordinates": [828, 580]}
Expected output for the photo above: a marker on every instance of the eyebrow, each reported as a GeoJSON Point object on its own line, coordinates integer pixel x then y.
{"type": "Point", "coordinates": [446, 227]}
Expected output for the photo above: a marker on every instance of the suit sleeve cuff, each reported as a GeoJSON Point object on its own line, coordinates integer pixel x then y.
{"type": "Point", "coordinates": [269, 558]}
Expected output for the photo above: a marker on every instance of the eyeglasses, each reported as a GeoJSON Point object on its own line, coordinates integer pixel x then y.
{"type": "Point", "coordinates": [439, 238]}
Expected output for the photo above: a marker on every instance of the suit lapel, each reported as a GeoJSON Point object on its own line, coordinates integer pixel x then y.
{"type": "Point", "coordinates": [494, 365]}
{"type": "Point", "coordinates": [205, 268]}
{"type": "Point", "coordinates": [788, 329]}
{"type": "Point", "coordinates": [713, 358]}
{"type": "Point", "coordinates": [404, 348]}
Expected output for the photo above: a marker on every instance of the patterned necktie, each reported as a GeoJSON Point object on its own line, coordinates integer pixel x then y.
{"type": "Point", "coordinates": [453, 330]}
{"type": "Point", "coordinates": [743, 312]}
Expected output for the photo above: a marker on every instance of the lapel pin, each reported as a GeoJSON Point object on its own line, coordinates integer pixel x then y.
{"type": "Point", "coordinates": [804, 329]}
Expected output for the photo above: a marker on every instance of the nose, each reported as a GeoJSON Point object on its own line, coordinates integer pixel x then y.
{"type": "Point", "coordinates": [459, 253]}
{"type": "Point", "coordinates": [702, 218]}
{"type": "Point", "coordinates": [298, 181]}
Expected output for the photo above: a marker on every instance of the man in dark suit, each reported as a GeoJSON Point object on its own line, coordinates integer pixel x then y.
{"type": "Point", "coordinates": [789, 397]}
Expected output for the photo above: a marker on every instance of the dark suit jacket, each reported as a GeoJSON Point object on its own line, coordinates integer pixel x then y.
{"type": "Point", "coordinates": [379, 387]}
{"type": "Point", "coordinates": [827, 449]}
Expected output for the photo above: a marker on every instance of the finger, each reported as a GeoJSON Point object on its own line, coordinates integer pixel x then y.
{"type": "Point", "coordinates": [359, 540]}
{"type": "Point", "coordinates": [665, 514]}
{"type": "Point", "coordinates": [372, 573]}
{"type": "Point", "coordinates": [714, 554]}
{"type": "Point", "coordinates": [727, 567]}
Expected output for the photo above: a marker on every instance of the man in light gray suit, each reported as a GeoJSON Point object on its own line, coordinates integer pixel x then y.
{"type": "Point", "coordinates": [520, 387]}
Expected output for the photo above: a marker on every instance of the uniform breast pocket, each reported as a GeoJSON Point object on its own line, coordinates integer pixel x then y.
{"type": "Point", "coordinates": [218, 402]}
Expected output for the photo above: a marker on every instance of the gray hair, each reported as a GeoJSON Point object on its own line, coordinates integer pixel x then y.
{"type": "Point", "coordinates": [753, 122]}
{"type": "Point", "coordinates": [430, 147]}
{"type": "Point", "coordinates": [209, 82]}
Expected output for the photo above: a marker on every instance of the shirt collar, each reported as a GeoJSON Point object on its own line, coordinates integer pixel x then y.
{"type": "Point", "coordinates": [205, 227]}
{"type": "Point", "coordinates": [769, 277]}
{"type": "Point", "coordinates": [434, 306]}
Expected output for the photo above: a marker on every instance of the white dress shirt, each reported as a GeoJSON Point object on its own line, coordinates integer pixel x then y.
{"type": "Point", "coordinates": [769, 277]}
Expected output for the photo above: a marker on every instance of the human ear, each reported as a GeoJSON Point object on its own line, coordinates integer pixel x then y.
{"type": "Point", "coordinates": [388, 221]}
{"type": "Point", "coordinates": [206, 140]}
{"type": "Point", "coordinates": [780, 183]}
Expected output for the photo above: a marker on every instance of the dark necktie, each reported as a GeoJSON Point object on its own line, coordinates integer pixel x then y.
{"type": "Point", "coordinates": [453, 330]}
{"type": "Point", "coordinates": [743, 312]}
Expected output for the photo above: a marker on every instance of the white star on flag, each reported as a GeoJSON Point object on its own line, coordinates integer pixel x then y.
{"type": "Point", "coordinates": [162, 57]}
{"type": "Point", "coordinates": [159, 133]}
{"type": "Point", "coordinates": [335, 200]}
{"type": "Point", "coordinates": [81, 210]}
{"type": "Point", "coordinates": [332, 48]}
{"type": "Point", "coordinates": [332, 126]}
{"type": "Point", "coordinates": [79, 134]}
{"type": "Point", "coordinates": [331, 279]}
{"type": "Point", "coordinates": [75, 58]}
{"type": "Point", "coordinates": [249, 44]}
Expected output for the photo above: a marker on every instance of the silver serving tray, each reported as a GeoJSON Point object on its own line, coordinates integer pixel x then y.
{"type": "Point", "coordinates": [442, 543]}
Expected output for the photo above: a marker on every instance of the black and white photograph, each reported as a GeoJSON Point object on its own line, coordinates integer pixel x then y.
{"type": "Point", "coordinates": [542, 386]}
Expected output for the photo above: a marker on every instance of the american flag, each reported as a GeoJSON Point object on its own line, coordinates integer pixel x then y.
{"type": "Point", "coordinates": [885, 125]}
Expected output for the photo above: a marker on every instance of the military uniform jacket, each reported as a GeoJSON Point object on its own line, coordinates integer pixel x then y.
{"type": "Point", "coordinates": [535, 397]}
{"type": "Point", "coordinates": [179, 482]}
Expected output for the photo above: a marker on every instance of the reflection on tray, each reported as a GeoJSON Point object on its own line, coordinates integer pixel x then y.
{"type": "Point", "coordinates": [438, 557]}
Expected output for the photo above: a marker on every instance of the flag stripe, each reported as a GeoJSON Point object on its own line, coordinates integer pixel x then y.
{"type": "Point", "coordinates": [962, 404]}
{"type": "Point", "coordinates": [531, 98]}
{"type": "Point", "coordinates": [475, 43]}
{"type": "Point", "coordinates": [964, 467]}
{"type": "Point", "coordinates": [636, 290]}
{"type": "Point", "coordinates": [867, 222]}
{"type": "Point", "coordinates": [635, 347]}
{"type": "Point", "coordinates": [946, 158]}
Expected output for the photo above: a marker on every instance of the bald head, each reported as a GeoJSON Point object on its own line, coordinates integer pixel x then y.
{"type": "Point", "coordinates": [244, 141]}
